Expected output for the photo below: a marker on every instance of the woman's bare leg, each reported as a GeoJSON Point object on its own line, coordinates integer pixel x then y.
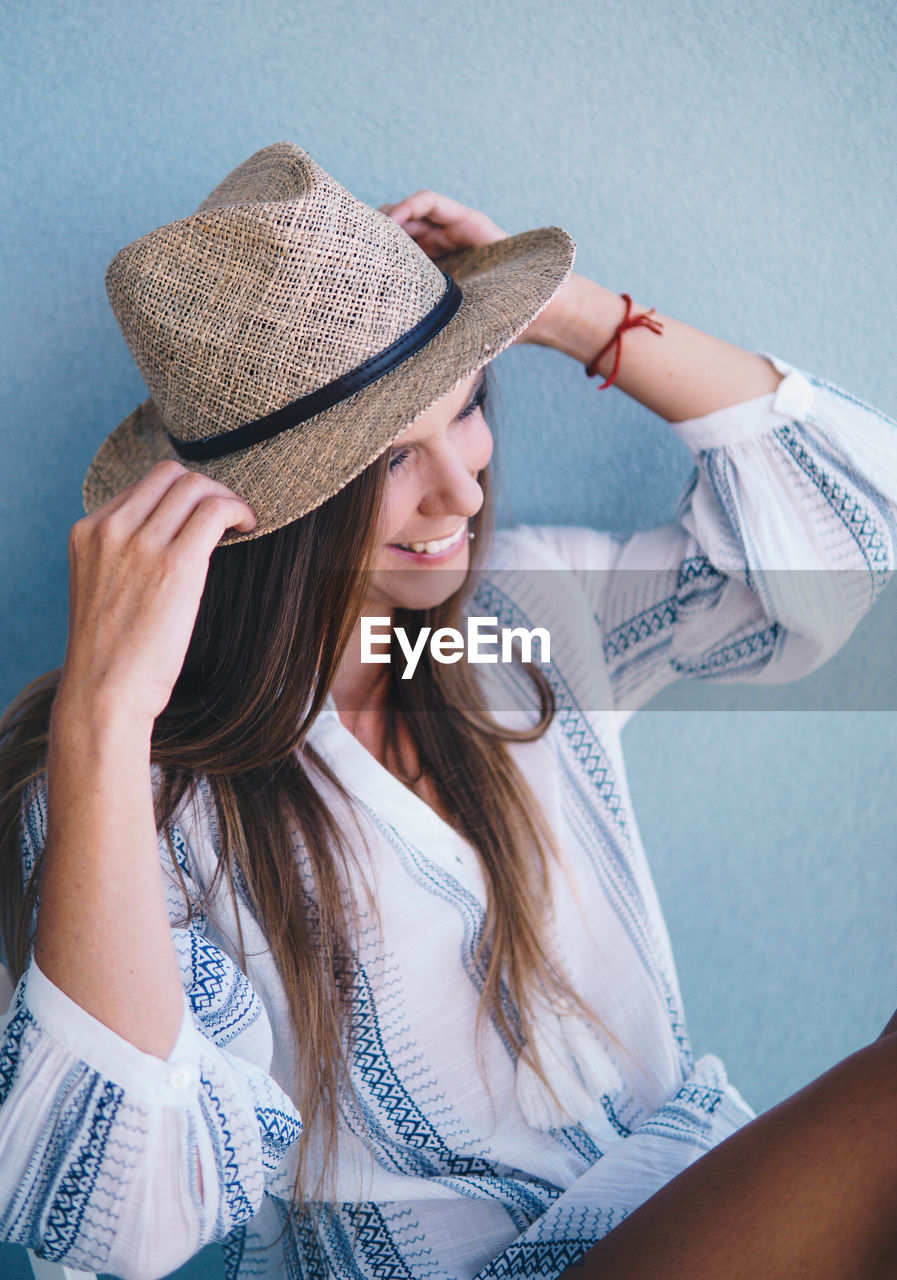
{"type": "Point", "coordinates": [808, 1191]}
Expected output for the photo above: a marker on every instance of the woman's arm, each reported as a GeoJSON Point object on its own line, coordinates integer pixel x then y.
{"type": "Point", "coordinates": [112, 1159]}
{"type": "Point", "coordinates": [681, 373]}
{"type": "Point", "coordinates": [791, 474]}
{"type": "Point", "coordinates": [132, 1131]}
{"type": "Point", "coordinates": [138, 567]}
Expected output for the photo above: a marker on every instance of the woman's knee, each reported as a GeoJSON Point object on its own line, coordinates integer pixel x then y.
{"type": "Point", "coordinates": [864, 1094]}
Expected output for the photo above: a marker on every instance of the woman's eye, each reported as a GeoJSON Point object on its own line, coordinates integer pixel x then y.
{"type": "Point", "coordinates": [476, 403]}
{"type": "Point", "coordinates": [397, 459]}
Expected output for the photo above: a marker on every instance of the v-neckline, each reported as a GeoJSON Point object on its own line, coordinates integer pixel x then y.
{"type": "Point", "coordinates": [403, 804]}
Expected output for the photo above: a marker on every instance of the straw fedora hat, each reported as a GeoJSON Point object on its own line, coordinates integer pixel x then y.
{"type": "Point", "coordinates": [288, 333]}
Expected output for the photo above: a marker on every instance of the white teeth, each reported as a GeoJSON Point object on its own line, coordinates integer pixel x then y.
{"type": "Point", "coordinates": [433, 547]}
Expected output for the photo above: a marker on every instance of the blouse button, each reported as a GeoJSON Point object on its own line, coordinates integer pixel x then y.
{"type": "Point", "coordinates": [181, 1077]}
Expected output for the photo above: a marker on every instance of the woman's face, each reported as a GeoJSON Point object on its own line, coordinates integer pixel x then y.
{"type": "Point", "coordinates": [431, 494]}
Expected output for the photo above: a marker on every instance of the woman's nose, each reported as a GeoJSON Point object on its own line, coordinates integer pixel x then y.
{"type": "Point", "coordinates": [453, 489]}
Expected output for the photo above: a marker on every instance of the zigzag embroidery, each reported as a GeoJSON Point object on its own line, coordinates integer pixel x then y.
{"type": "Point", "coordinates": [239, 1207]}
{"type": "Point", "coordinates": [697, 568]}
{"type": "Point", "coordinates": [850, 511]}
{"type": "Point", "coordinates": [748, 653]}
{"type": "Point", "coordinates": [374, 1067]}
{"type": "Point", "coordinates": [686, 1116]}
{"type": "Point", "coordinates": [625, 898]}
{"type": "Point", "coordinates": [580, 737]}
{"type": "Point", "coordinates": [644, 626]}
{"type": "Point", "coordinates": [716, 465]}
{"type": "Point", "coordinates": [64, 1221]}
{"type": "Point", "coordinates": [470, 1176]}
{"type": "Point", "coordinates": [279, 1131]}
{"type": "Point", "coordinates": [178, 847]}
{"type": "Point", "coordinates": [588, 751]}
{"type": "Point", "coordinates": [232, 1252]}
{"type": "Point", "coordinates": [250, 1252]}
{"type": "Point", "coordinates": [373, 1241]}
{"type": "Point", "coordinates": [34, 827]}
{"type": "Point", "coordinates": [841, 394]}
{"type": "Point", "coordinates": [22, 1221]}
{"type": "Point", "coordinates": [12, 1048]}
{"type": "Point", "coordinates": [434, 879]}
{"type": "Point", "coordinates": [313, 1230]}
{"type": "Point", "coordinates": [541, 1259]}
{"type": "Point", "coordinates": [220, 994]}
{"type": "Point", "coordinates": [575, 1139]}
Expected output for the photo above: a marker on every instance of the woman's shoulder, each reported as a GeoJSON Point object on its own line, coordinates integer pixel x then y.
{"type": "Point", "coordinates": [575, 547]}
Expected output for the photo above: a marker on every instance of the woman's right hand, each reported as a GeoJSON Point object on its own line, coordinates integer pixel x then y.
{"type": "Point", "coordinates": [138, 566]}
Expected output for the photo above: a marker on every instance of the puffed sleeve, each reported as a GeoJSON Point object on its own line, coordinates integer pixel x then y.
{"type": "Point", "coordinates": [117, 1161]}
{"type": "Point", "coordinates": [784, 537]}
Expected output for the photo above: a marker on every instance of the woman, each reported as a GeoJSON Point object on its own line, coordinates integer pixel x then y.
{"type": "Point", "coordinates": [413, 910]}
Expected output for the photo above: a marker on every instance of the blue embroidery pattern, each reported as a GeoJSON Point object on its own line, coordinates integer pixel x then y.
{"type": "Point", "coordinates": [375, 1245]}
{"type": "Point", "coordinates": [279, 1131]}
{"type": "Point", "coordinates": [220, 994]}
{"type": "Point", "coordinates": [11, 1049]}
{"type": "Point", "coordinates": [236, 1207]}
{"type": "Point", "coordinates": [537, 1258]}
{"type": "Point", "coordinates": [853, 514]}
{"type": "Point", "coordinates": [64, 1220]}
{"type": "Point", "coordinates": [405, 1118]}
{"type": "Point", "coordinates": [642, 627]}
{"type": "Point", "coordinates": [582, 739]}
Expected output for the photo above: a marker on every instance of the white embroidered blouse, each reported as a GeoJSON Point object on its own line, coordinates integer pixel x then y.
{"type": "Point", "coordinates": [453, 1165]}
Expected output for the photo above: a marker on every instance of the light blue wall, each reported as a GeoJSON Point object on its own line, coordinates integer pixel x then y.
{"type": "Point", "coordinates": [730, 163]}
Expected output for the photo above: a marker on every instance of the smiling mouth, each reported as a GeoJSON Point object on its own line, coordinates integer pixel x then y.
{"type": "Point", "coordinates": [433, 546]}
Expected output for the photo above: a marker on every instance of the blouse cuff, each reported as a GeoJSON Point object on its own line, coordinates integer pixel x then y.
{"type": "Point", "coordinates": [171, 1081]}
{"type": "Point", "coordinates": [791, 400]}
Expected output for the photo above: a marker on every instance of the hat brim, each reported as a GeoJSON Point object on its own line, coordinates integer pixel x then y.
{"type": "Point", "coordinates": [505, 286]}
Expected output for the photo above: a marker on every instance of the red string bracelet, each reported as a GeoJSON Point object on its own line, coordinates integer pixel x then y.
{"type": "Point", "coordinates": [656, 326]}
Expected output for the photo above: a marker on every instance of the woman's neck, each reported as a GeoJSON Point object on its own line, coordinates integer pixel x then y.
{"type": "Point", "coordinates": [361, 694]}
{"type": "Point", "coordinates": [361, 689]}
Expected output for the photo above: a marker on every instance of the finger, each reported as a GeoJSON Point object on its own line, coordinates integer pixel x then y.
{"type": "Point", "coordinates": [435, 242]}
{"type": "Point", "coordinates": [209, 520]}
{"type": "Point", "coordinates": [180, 501]}
{"type": "Point", "coordinates": [420, 226]}
{"type": "Point", "coordinates": [420, 231]}
{"type": "Point", "coordinates": [429, 205]}
{"type": "Point", "coordinates": [139, 499]}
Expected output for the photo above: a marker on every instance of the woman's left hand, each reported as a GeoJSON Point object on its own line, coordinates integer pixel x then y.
{"type": "Point", "coordinates": [441, 225]}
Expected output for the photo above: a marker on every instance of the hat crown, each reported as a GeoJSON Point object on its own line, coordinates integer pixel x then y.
{"type": "Point", "coordinates": [289, 334]}
{"type": "Point", "coordinates": [280, 283]}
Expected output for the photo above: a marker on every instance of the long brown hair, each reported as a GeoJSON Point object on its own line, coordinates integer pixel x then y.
{"type": "Point", "coordinates": [272, 628]}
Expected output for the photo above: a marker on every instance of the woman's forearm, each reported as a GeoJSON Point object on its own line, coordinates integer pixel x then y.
{"type": "Point", "coordinates": [681, 373]}
{"type": "Point", "coordinates": [103, 935]}
{"type": "Point", "coordinates": [138, 567]}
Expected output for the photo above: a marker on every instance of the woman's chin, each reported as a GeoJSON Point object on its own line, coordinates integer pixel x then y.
{"type": "Point", "coordinates": [417, 588]}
